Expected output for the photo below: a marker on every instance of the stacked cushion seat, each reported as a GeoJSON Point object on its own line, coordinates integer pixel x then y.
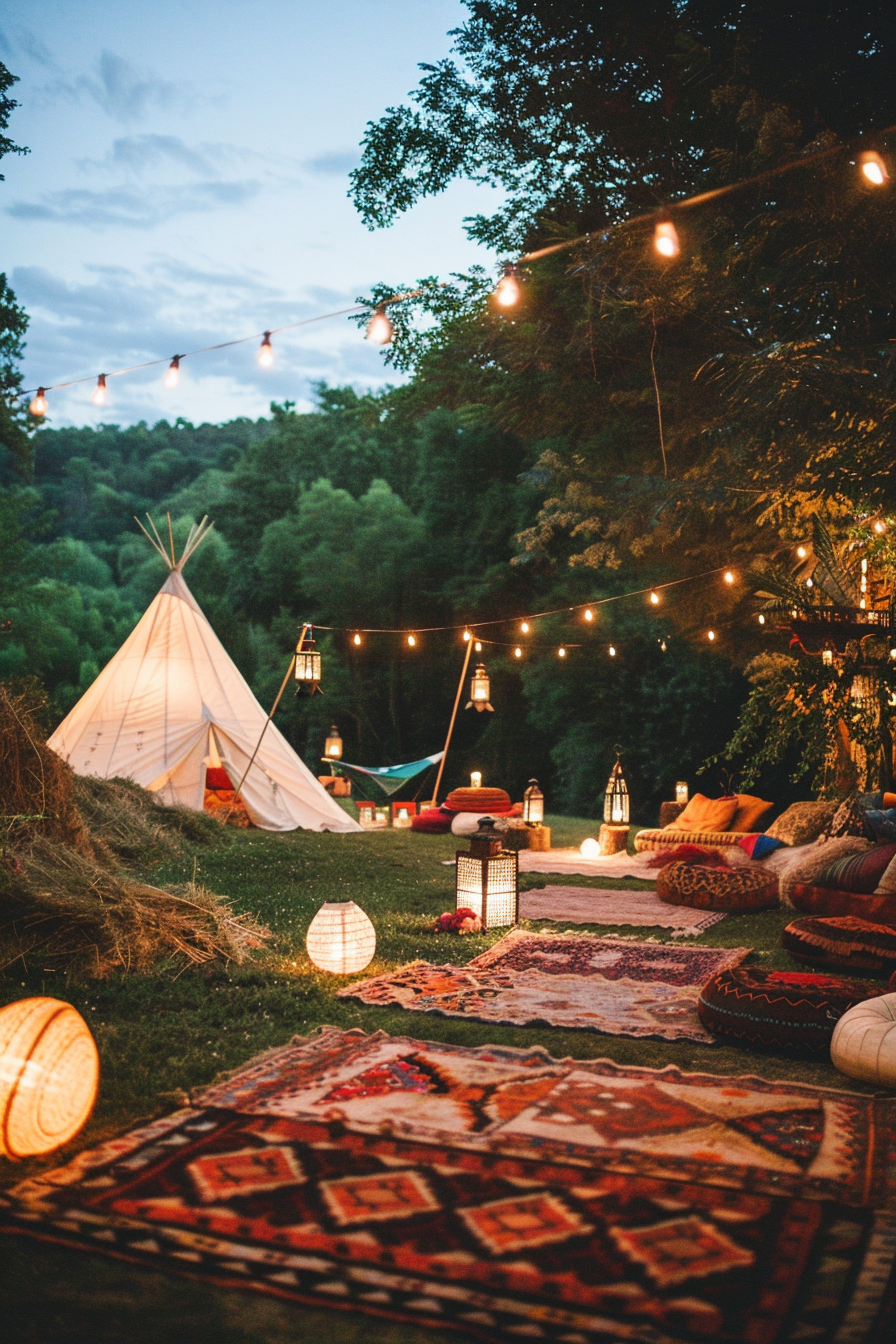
{"type": "Point", "coordinates": [815, 900]}
{"type": "Point", "coordinates": [670, 836]}
{"type": "Point", "coordinates": [778, 1010]}
{"type": "Point", "coordinates": [864, 1041]}
{"type": "Point", "coordinates": [845, 942]}
{"type": "Point", "coordinates": [860, 872]}
{"type": "Point", "coordinates": [485, 802]}
{"type": "Point", "coordinates": [714, 888]}
{"type": "Point", "coordinates": [433, 821]}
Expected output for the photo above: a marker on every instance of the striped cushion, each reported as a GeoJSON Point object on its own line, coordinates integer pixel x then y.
{"type": "Point", "coordinates": [656, 839]}
{"type": "Point", "coordinates": [846, 942]}
{"type": "Point", "coordinates": [778, 1010]}
{"type": "Point", "coordinates": [857, 872]}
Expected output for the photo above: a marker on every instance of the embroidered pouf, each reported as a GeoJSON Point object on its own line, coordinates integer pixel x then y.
{"type": "Point", "coordinates": [711, 888]}
{"type": "Point", "coordinates": [814, 900]}
{"type": "Point", "coordinates": [846, 942]}
{"type": "Point", "coordinates": [778, 1010]}
{"type": "Point", "coordinates": [864, 1041]}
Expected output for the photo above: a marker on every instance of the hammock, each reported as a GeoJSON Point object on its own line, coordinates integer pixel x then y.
{"type": "Point", "coordinates": [391, 777]}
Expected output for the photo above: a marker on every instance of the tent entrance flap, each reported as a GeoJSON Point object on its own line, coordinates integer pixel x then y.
{"type": "Point", "coordinates": [391, 777]}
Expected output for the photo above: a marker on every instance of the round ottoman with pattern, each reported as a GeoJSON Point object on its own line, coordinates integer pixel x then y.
{"type": "Point", "coordinates": [847, 942]}
{"type": "Point", "coordinates": [711, 888]}
{"type": "Point", "coordinates": [778, 1010]}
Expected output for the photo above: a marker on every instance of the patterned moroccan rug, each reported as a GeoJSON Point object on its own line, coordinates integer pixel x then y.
{"type": "Point", "coordinates": [597, 905]}
{"type": "Point", "coordinates": [623, 987]}
{"type": "Point", "coordinates": [507, 1194]}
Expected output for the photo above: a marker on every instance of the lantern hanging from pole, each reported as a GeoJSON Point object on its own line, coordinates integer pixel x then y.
{"type": "Point", "coordinates": [487, 880]}
{"type": "Point", "coordinates": [333, 744]}
{"type": "Point", "coordinates": [341, 939]}
{"type": "Point", "coordinates": [480, 690]}
{"type": "Point", "coordinates": [307, 665]}
{"type": "Point", "coordinates": [533, 804]}
{"type": "Point", "coordinates": [616, 796]}
{"type": "Point", "coordinates": [49, 1069]}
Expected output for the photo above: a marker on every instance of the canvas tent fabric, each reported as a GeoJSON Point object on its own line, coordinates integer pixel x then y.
{"type": "Point", "coordinates": [391, 777]}
{"type": "Point", "coordinates": [170, 703]}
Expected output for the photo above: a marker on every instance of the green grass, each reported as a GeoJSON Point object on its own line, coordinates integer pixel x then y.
{"type": "Point", "coordinates": [162, 1035]}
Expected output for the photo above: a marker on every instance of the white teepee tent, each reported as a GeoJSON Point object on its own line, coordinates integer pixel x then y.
{"type": "Point", "coordinates": [171, 702]}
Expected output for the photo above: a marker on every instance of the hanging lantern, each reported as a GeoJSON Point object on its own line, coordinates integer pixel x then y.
{"type": "Point", "coordinates": [487, 879]}
{"type": "Point", "coordinates": [307, 667]}
{"type": "Point", "coordinates": [341, 939]}
{"type": "Point", "coordinates": [479, 690]}
{"type": "Point", "coordinates": [49, 1069]}
{"type": "Point", "coordinates": [533, 804]}
{"type": "Point", "coordinates": [333, 744]}
{"type": "Point", "coordinates": [616, 797]}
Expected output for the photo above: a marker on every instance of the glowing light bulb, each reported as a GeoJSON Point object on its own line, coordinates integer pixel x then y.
{"type": "Point", "coordinates": [809, 583]}
{"type": "Point", "coordinates": [663, 646]}
{"type": "Point", "coordinates": [412, 641]}
{"type": "Point", "coordinates": [761, 619]}
{"type": "Point", "coordinates": [655, 598]}
{"type": "Point", "coordinates": [665, 239]}
{"type": "Point", "coordinates": [39, 404]}
{"type": "Point", "coordinates": [864, 566]}
{"type": "Point", "coordinates": [524, 627]}
{"type": "Point", "coordinates": [266, 352]}
{"type": "Point", "coordinates": [862, 603]}
{"type": "Point", "coordinates": [99, 392]}
{"type": "Point", "coordinates": [561, 653]}
{"type": "Point", "coordinates": [507, 290]}
{"type": "Point", "coordinates": [710, 635]}
{"type": "Point", "coordinates": [172, 377]}
{"type": "Point", "coordinates": [612, 651]}
{"type": "Point", "coordinates": [728, 577]}
{"type": "Point", "coordinates": [379, 328]}
{"type": "Point", "coordinates": [880, 527]}
{"type": "Point", "coordinates": [356, 640]}
{"type": "Point", "coordinates": [873, 168]}
{"type": "Point", "coordinates": [589, 614]}
{"type": "Point", "coordinates": [801, 552]}
{"type": "Point", "coordinates": [478, 646]}
{"type": "Point", "coordinates": [589, 849]}
{"type": "Point", "coordinates": [467, 636]}
{"type": "Point", "coordinates": [517, 653]}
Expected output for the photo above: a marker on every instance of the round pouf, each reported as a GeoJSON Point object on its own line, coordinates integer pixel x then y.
{"type": "Point", "coordinates": [704, 888]}
{"type": "Point", "coordinates": [864, 1041]}
{"type": "Point", "coordinates": [848, 943]}
{"type": "Point", "coordinates": [49, 1070]}
{"type": "Point", "coordinates": [778, 1010]}
{"type": "Point", "coordinates": [485, 802]}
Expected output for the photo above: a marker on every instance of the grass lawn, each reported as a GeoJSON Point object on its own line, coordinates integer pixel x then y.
{"type": "Point", "coordinates": [161, 1035]}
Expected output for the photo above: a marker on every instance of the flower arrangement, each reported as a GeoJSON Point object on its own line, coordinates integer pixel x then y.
{"type": "Point", "coordinates": [463, 920]}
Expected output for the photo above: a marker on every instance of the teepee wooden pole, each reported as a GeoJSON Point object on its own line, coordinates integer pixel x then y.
{"type": "Point", "coordinates": [283, 685]}
{"type": "Point", "coordinates": [460, 687]}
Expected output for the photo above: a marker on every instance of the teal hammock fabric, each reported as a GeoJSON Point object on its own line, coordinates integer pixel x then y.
{"type": "Point", "coordinates": [391, 777]}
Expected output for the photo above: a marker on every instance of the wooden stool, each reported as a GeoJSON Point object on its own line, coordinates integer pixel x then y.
{"type": "Point", "coordinates": [670, 812]}
{"type": "Point", "coordinates": [612, 839]}
{"type": "Point", "coordinates": [540, 838]}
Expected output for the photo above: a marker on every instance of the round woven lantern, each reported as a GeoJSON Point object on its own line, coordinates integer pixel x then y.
{"type": "Point", "coordinates": [49, 1070]}
{"type": "Point", "coordinates": [341, 939]}
{"type": "Point", "coordinates": [864, 1041]}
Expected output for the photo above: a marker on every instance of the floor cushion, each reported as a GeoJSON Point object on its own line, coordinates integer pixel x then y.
{"type": "Point", "coordinates": [845, 942]}
{"type": "Point", "coordinates": [801, 823]}
{"type": "Point", "coordinates": [857, 872]}
{"type": "Point", "coordinates": [802, 865]}
{"type": "Point", "coordinates": [778, 1010]}
{"type": "Point", "coordinates": [672, 835]}
{"type": "Point", "coordinates": [433, 821]}
{"type": "Point", "coordinates": [485, 802]}
{"type": "Point", "coordinates": [708, 814]}
{"type": "Point", "coordinates": [749, 811]}
{"type": "Point", "coordinates": [864, 1041]}
{"type": "Point", "coordinates": [713, 888]}
{"type": "Point", "coordinates": [813, 900]}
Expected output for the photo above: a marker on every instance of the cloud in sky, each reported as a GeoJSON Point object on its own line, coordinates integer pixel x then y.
{"type": "Point", "coordinates": [334, 163]}
{"type": "Point", "coordinates": [124, 207]}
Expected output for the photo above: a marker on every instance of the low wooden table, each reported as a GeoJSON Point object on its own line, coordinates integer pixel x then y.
{"type": "Point", "coordinates": [612, 839]}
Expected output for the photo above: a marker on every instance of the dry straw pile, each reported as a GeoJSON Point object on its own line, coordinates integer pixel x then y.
{"type": "Point", "coordinates": [66, 897]}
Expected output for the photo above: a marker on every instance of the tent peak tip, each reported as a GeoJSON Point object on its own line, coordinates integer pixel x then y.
{"type": "Point", "coordinates": [197, 534]}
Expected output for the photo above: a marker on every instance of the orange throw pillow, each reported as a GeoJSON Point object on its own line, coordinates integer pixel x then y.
{"type": "Point", "coordinates": [707, 814]}
{"type": "Point", "coordinates": [749, 810]}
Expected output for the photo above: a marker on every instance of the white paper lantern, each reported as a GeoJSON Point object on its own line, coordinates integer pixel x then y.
{"type": "Point", "coordinates": [49, 1070]}
{"type": "Point", "coordinates": [589, 849]}
{"type": "Point", "coordinates": [864, 1041]}
{"type": "Point", "coordinates": [341, 939]}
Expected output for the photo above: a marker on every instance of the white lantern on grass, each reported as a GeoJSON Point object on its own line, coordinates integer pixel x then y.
{"type": "Point", "coordinates": [487, 880]}
{"type": "Point", "coordinates": [49, 1070]}
{"type": "Point", "coordinates": [341, 939]}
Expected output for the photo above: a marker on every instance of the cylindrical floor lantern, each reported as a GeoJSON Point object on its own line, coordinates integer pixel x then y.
{"type": "Point", "coordinates": [49, 1071]}
{"type": "Point", "coordinates": [341, 939]}
{"type": "Point", "coordinates": [487, 879]}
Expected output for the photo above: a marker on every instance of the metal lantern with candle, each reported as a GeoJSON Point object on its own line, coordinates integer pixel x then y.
{"type": "Point", "coordinates": [616, 796]}
{"type": "Point", "coordinates": [681, 792]}
{"type": "Point", "coordinates": [487, 879]}
{"type": "Point", "coordinates": [533, 804]}
{"type": "Point", "coordinates": [333, 744]}
{"type": "Point", "coordinates": [480, 689]}
{"type": "Point", "coordinates": [307, 665]}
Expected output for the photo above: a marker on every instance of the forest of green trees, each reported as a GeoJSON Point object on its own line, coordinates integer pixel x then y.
{"type": "Point", "coordinates": [629, 424]}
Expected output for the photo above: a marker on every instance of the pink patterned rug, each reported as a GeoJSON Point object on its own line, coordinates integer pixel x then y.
{"type": "Point", "coordinates": [596, 905]}
{"type": "Point", "coordinates": [620, 986]}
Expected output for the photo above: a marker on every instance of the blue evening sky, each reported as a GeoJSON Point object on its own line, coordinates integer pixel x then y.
{"type": "Point", "coordinates": [187, 183]}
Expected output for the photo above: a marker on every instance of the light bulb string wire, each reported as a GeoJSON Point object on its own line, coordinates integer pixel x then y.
{"type": "Point", "coordinates": [222, 345]}
{"type": "Point", "coordinates": [506, 620]}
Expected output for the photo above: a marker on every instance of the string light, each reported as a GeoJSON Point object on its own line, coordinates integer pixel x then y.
{"type": "Point", "coordinates": [665, 239]}
{"type": "Point", "coordinates": [561, 653]}
{"type": "Point", "coordinates": [612, 651]}
{"type": "Point", "coordinates": [880, 527]}
{"type": "Point", "coordinates": [524, 627]}
{"type": "Point", "coordinates": [801, 552]}
{"type": "Point", "coordinates": [467, 636]}
{"type": "Point", "coordinates": [517, 653]}
{"type": "Point", "coordinates": [478, 646]}
{"type": "Point", "coordinates": [412, 641]}
{"type": "Point", "coordinates": [663, 646]}
{"type": "Point", "coordinates": [172, 377]}
{"type": "Point", "coordinates": [873, 168]}
{"type": "Point", "coordinates": [266, 352]}
{"type": "Point", "coordinates": [379, 328]}
{"type": "Point", "coordinates": [507, 290]}
{"type": "Point", "coordinates": [761, 619]}
{"type": "Point", "coordinates": [99, 392]}
{"type": "Point", "coordinates": [809, 583]}
{"type": "Point", "coordinates": [356, 640]}
{"type": "Point", "coordinates": [589, 614]}
{"type": "Point", "coordinates": [728, 576]}
{"type": "Point", "coordinates": [39, 404]}
{"type": "Point", "coordinates": [655, 598]}
{"type": "Point", "coordinates": [710, 635]}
